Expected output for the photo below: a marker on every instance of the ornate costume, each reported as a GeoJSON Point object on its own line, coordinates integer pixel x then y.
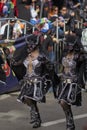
{"type": "Point", "coordinates": [2, 73]}
{"type": "Point", "coordinates": [38, 79]}
{"type": "Point", "coordinates": [69, 91]}
{"type": "Point", "coordinates": [72, 81]}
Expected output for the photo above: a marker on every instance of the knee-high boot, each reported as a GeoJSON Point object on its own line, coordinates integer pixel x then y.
{"type": "Point", "coordinates": [37, 122]}
{"type": "Point", "coordinates": [69, 119]}
{"type": "Point", "coordinates": [35, 116]}
{"type": "Point", "coordinates": [32, 116]}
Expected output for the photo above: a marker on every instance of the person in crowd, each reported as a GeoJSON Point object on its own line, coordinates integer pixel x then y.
{"type": "Point", "coordinates": [71, 23]}
{"type": "Point", "coordinates": [58, 3]}
{"type": "Point", "coordinates": [54, 13]}
{"type": "Point", "coordinates": [57, 21]}
{"type": "Point", "coordinates": [69, 91]}
{"type": "Point", "coordinates": [64, 12]}
{"type": "Point", "coordinates": [11, 26]}
{"type": "Point", "coordinates": [38, 79]}
{"type": "Point", "coordinates": [24, 7]}
{"type": "Point", "coordinates": [15, 7]}
{"type": "Point", "coordinates": [7, 8]}
{"type": "Point", "coordinates": [73, 4]}
{"type": "Point", "coordinates": [45, 10]}
{"type": "Point", "coordinates": [2, 29]}
{"type": "Point", "coordinates": [18, 29]}
{"type": "Point", "coordinates": [47, 7]}
{"type": "Point", "coordinates": [2, 2]}
{"type": "Point", "coordinates": [48, 46]}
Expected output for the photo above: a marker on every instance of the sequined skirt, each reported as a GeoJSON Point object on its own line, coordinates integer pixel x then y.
{"type": "Point", "coordinates": [69, 92]}
{"type": "Point", "coordinates": [34, 88]}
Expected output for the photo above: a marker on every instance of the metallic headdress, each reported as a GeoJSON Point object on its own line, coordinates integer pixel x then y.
{"type": "Point", "coordinates": [32, 42]}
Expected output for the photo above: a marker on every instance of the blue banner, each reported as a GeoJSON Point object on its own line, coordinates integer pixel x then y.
{"type": "Point", "coordinates": [11, 83]}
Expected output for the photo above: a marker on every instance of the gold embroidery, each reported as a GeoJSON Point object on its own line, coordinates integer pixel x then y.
{"type": "Point", "coordinates": [31, 57]}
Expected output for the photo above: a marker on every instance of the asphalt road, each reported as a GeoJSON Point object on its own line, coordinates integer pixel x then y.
{"type": "Point", "coordinates": [16, 116]}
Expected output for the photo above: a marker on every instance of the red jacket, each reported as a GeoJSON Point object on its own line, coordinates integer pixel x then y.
{"type": "Point", "coordinates": [14, 2]}
{"type": "Point", "coordinates": [15, 7]}
{"type": "Point", "coordinates": [1, 7]}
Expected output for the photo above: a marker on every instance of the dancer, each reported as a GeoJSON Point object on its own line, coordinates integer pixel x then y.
{"type": "Point", "coordinates": [69, 91]}
{"type": "Point", "coordinates": [2, 73]}
{"type": "Point", "coordinates": [37, 81]}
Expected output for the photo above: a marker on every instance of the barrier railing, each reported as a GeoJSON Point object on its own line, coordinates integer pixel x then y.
{"type": "Point", "coordinates": [58, 50]}
{"type": "Point", "coordinates": [27, 25]}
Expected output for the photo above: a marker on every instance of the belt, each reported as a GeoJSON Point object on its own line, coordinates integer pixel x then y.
{"type": "Point", "coordinates": [67, 81]}
{"type": "Point", "coordinates": [30, 81]}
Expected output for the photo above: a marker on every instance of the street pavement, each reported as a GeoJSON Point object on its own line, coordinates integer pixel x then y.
{"type": "Point", "coordinates": [16, 116]}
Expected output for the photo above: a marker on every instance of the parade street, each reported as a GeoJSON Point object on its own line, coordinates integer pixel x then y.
{"type": "Point", "coordinates": [15, 115]}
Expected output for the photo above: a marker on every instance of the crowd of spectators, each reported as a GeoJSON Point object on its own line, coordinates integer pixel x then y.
{"type": "Point", "coordinates": [48, 16]}
{"type": "Point", "coordinates": [33, 10]}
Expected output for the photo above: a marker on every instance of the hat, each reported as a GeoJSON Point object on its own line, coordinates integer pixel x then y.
{"type": "Point", "coordinates": [70, 41]}
{"type": "Point", "coordinates": [12, 20]}
{"type": "Point", "coordinates": [43, 20]}
{"type": "Point", "coordinates": [32, 42]}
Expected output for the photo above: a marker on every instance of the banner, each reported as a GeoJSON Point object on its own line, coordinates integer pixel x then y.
{"type": "Point", "coordinates": [11, 81]}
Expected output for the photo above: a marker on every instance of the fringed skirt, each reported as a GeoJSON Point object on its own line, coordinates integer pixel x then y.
{"type": "Point", "coordinates": [69, 93]}
{"type": "Point", "coordinates": [35, 89]}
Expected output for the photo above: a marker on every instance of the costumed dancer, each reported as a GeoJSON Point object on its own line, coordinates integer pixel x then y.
{"type": "Point", "coordinates": [2, 73]}
{"type": "Point", "coordinates": [38, 79]}
{"type": "Point", "coordinates": [84, 43]}
{"type": "Point", "coordinates": [69, 91]}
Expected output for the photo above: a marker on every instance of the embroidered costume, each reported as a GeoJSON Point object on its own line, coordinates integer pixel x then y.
{"type": "Point", "coordinates": [69, 91]}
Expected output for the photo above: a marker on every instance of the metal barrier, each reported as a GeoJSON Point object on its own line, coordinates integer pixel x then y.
{"type": "Point", "coordinates": [27, 25]}
{"type": "Point", "coordinates": [79, 24]}
{"type": "Point", "coordinates": [58, 50]}
{"type": "Point", "coordinates": [32, 27]}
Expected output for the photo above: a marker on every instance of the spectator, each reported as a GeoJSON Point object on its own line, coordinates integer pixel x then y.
{"type": "Point", "coordinates": [11, 26]}
{"type": "Point", "coordinates": [58, 3]}
{"type": "Point", "coordinates": [58, 21]}
{"type": "Point", "coordinates": [8, 8]}
{"type": "Point", "coordinates": [2, 29]}
{"type": "Point", "coordinates": [1, 7]}
{"type": "Point", "coordinates": [64, 12]}
{"type": "Point", "coordinates": [72, 4]}
{"type": "Point", "coordinates": [47, 47]}
{"type": "Point", "coordinates": [33, 10]}
{"type": "Point", "coordinates": [24, 7]}
{"type": "Point", "coordinates": [18, 29]}
{"type": "Point", "coordinates": [55, 12]}
{"type": "Point", "coordinates": [45, 10]}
